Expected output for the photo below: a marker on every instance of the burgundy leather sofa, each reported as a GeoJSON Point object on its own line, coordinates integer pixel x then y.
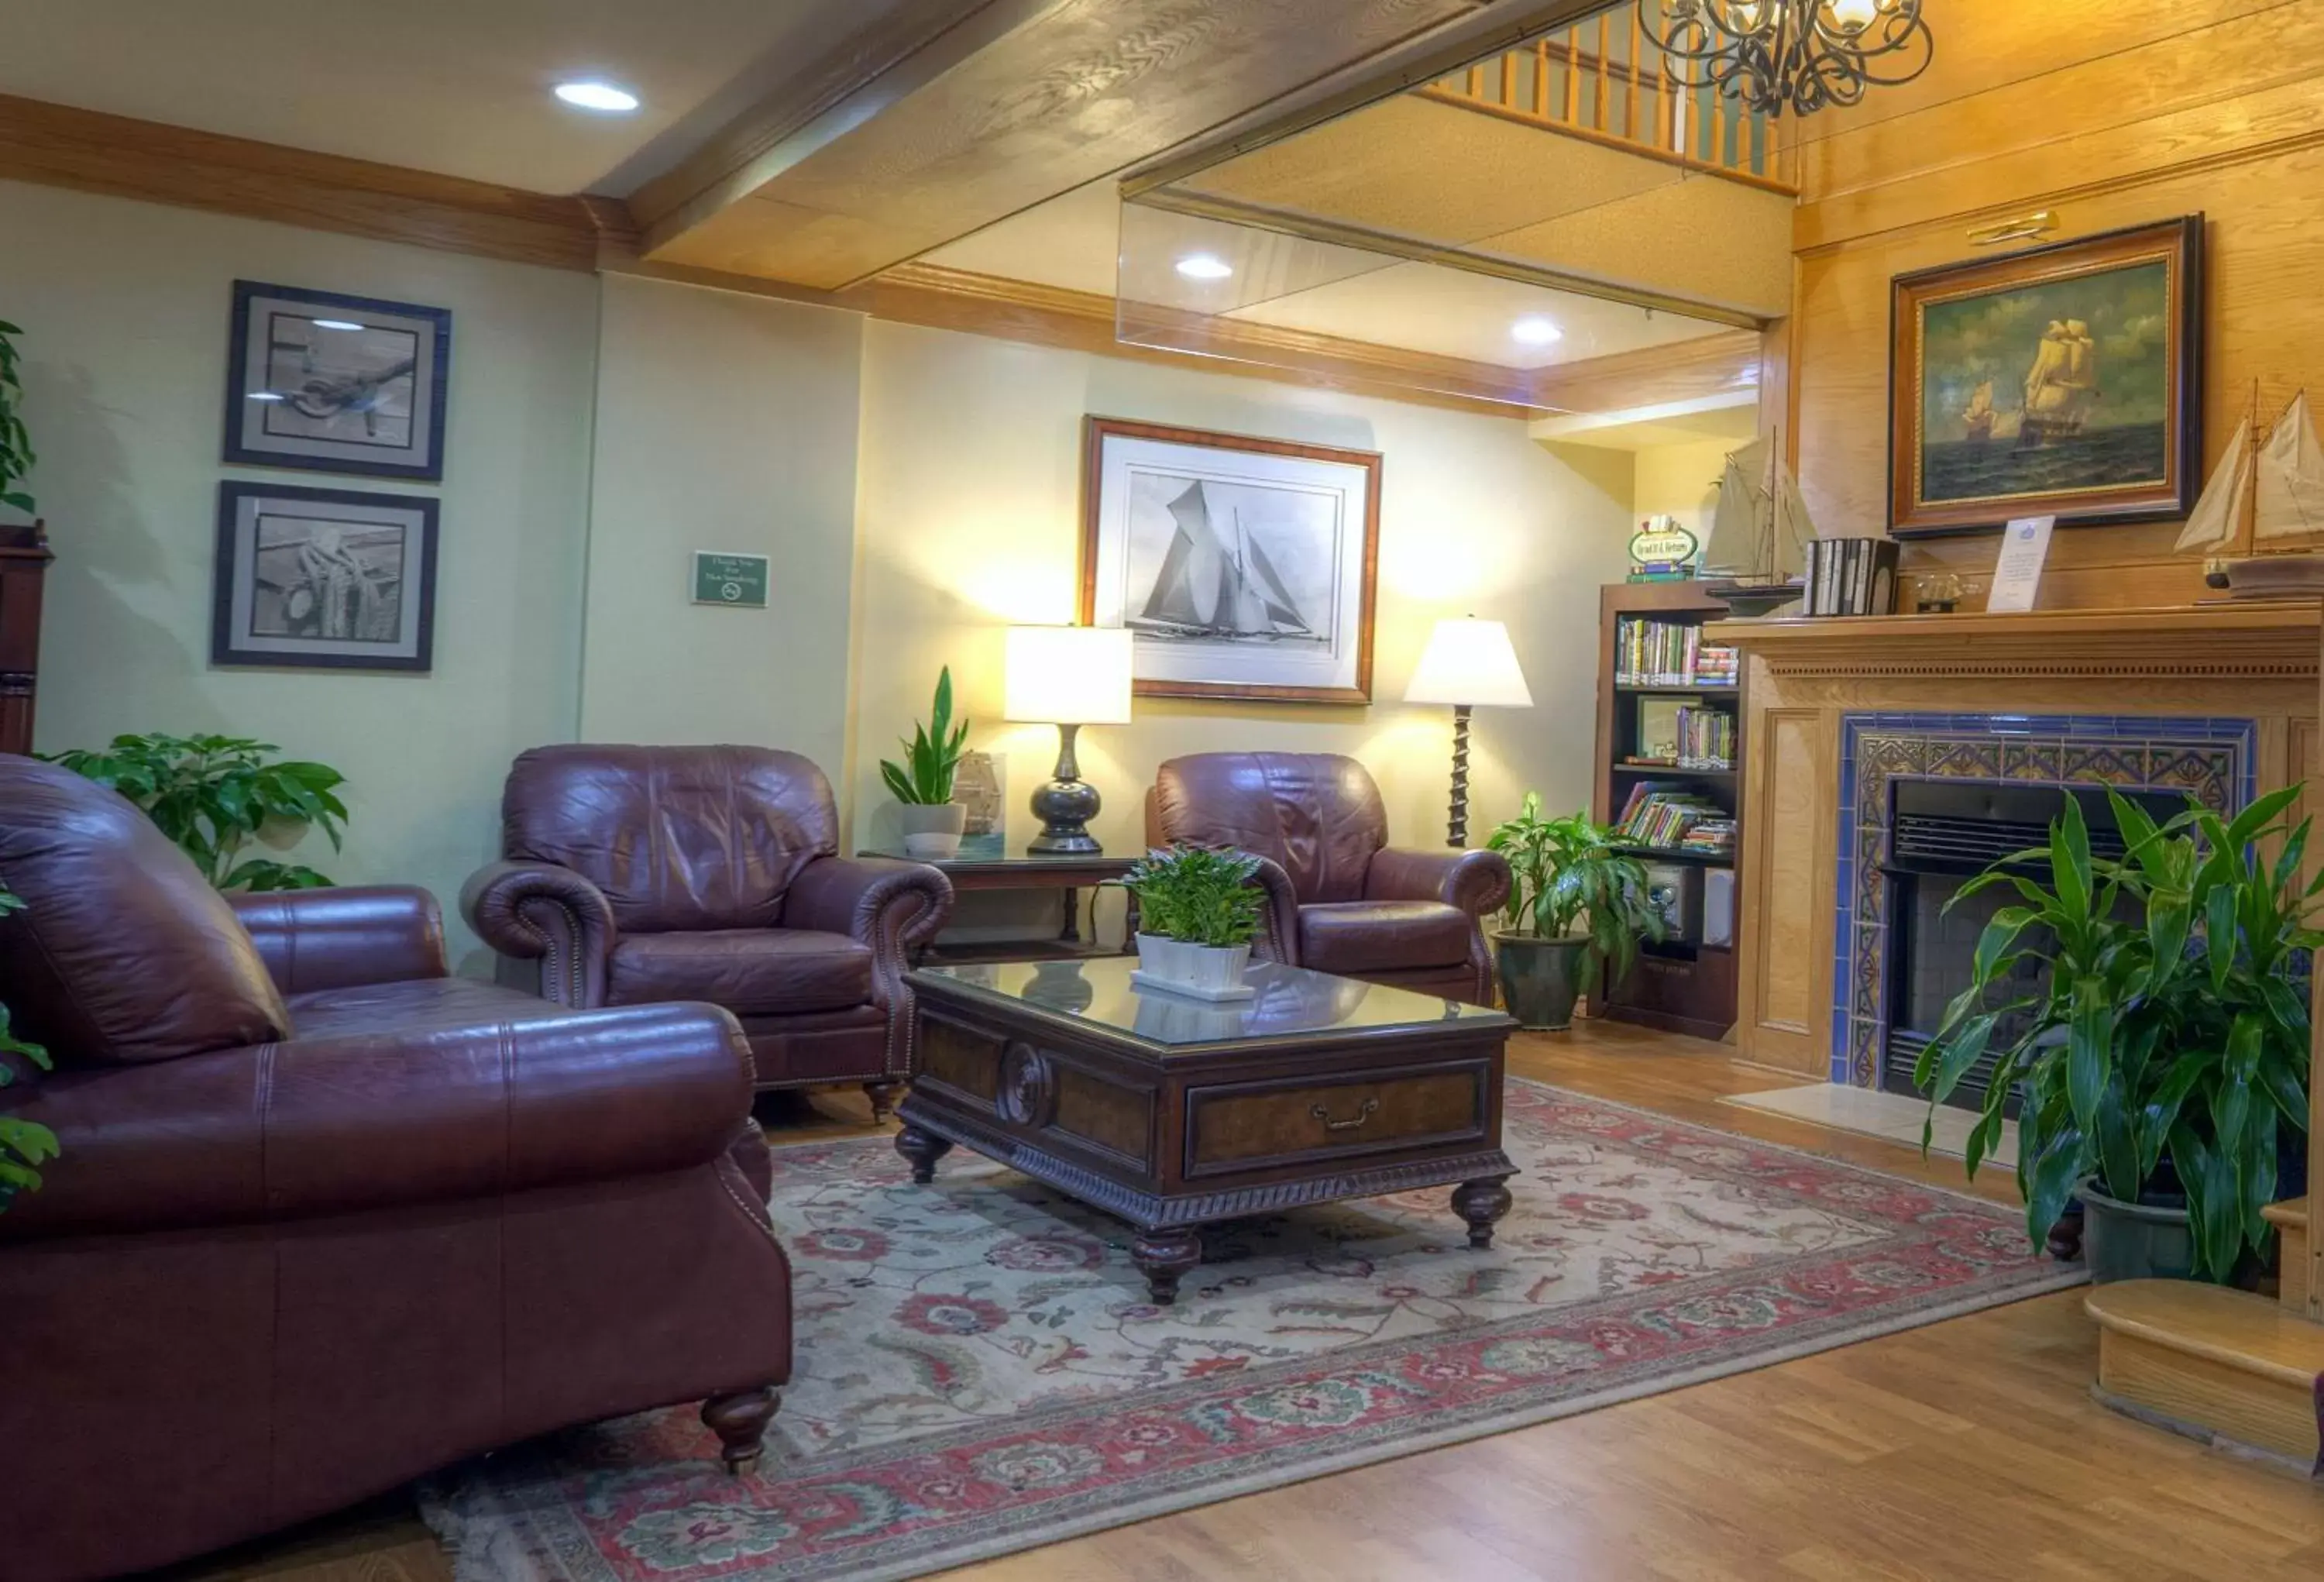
{"type": "Point", "coordinates": [325, 1218]}
{"type": "Point", "coordinates": [1341, 899]}
{"type": "Point", "coordinates": [637, 875]}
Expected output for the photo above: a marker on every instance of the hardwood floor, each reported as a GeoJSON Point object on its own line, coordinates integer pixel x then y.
{"type": "Point", "coordinates": [1964, 1449]}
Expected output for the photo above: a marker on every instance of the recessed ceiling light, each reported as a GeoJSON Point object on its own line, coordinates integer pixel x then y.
{"type": "Point", "coordinates": [265, 395]}
{"type": "Point", "coordinates": [1533, 329]}
{"type": "Point", "coordinates": [336, 324]}
{"type": "Point", "coordinates": [1205, 266]}
{"type": "Point", "coordinates": [601, 96]}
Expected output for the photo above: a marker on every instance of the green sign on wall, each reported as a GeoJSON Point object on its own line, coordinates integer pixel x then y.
{"type": "Point", "coordinates": [740, 580]}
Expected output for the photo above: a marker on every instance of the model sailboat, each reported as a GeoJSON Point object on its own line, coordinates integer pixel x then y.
{"type": "Point", "coordinates": [1756, 559]}
{"type": "Point", "coordinates": [2263, 508]}
{"type": "Point", "coordinates": [1217, 583]}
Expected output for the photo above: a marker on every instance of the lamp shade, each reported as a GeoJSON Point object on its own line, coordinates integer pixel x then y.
{"type": "Point", "coordinates": [1068, 675]}
{"type": "Point", "coordinates": [1469, 661]}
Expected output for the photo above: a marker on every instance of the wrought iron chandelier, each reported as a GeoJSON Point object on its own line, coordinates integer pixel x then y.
{"type": "Point", "coordinates": [1795, 55]}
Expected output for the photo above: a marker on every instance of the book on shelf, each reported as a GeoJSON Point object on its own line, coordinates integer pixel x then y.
{"type": "Point", "coordinates": [1851, 577]}
{"type": "Point", "coordinates": [1669, 816]}
{"type": "Point", "coordinates": [1670, 653]}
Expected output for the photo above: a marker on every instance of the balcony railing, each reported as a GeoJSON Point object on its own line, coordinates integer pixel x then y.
{"type": "Point", "coordinates": [1605, 81]}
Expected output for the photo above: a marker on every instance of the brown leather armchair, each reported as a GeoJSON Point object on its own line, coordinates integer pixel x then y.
{"type": "Point", "coordinates": [1341, 899]}
{"type": "Point", "coordinates": [636, 876]}
{"type": "Point", "coordinates": [329, 1216]}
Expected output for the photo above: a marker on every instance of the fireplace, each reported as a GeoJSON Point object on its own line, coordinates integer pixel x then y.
{"type": "Point", "coordinates": [1927, 800]}
{"type": "Point", "coordinates": [1941, 834]}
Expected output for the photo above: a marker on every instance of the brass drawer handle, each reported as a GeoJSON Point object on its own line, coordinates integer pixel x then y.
{"type": "Point", "coordinates": [1350, 1123]}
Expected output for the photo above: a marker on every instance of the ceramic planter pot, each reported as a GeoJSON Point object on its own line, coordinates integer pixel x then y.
{"type": "Point", "coordinates": [1207, 972]}
{"type": "Point", "coordinates": [2133, 1241]}
{"type": "Point", "coordinates": [931, 830]}
{"type": "Point", "coordinates": [1541, 979]}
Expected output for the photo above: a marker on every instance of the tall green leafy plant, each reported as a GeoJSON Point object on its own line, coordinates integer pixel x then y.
{"type": "Point", "coordinates": [1196, 895]}
{"type": "Point", "coordinates": [16, 456]}
{"type": "Point", "coordinates": [213, 795]}
{"type": "Point", "coordinates": [2171, 1047]}
{"type": "Point", "coordinates": [924, 776]}
{"type": "Point", "coordinates": [24, 1145]}
{"type": "Point", "coordinates": [1568, 870]}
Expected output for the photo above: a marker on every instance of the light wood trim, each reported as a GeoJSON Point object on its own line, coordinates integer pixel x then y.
{"type": "Point", "coordinates": [2276, 641]}
{"type": "Point", "coordinates": [56, 146]}
{"type": "Point", "coordinates": [1678, 370]}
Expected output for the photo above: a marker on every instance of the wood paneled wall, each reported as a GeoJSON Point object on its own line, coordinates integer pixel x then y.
{"type": "Point", "coordinates": [2108, 113]}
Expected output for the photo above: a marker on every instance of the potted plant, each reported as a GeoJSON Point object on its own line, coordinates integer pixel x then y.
{"type": "Point", "coordinates": [1198, 910]}
{"type": "Point", "coordinates": [1563, 872]}
{"type": "Point", "coordinates": [213, 795]}
{"type": "Point", "coordinates": [24, 1145]}
{"type": "Point", "coordinates": [16, 456]}
{"type": "Point", "coordinates": [2163, 1073]}
{"type": "Point", "coordinates": [930, 820]}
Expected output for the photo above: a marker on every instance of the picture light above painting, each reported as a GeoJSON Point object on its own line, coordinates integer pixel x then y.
{"type": "Point", "coordinates": [1243, 567]}
{"type": "Point", "coordinates": [337, 384]}
{"type": "Point", "coordinates": [2065, 380]}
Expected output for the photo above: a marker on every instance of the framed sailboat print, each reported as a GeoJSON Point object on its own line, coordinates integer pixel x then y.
{"type": "Point", "coordinates": [2064, 379]}
{"type": "Point", "coordinates": [1244, 567]}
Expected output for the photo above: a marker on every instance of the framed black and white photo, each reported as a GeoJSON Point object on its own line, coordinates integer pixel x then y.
{"type": "Point", "coordinates": [1244, 567]}
{"type": "Point", "coordinates": [328, 578]}
{"type": "Point", "coordinates": [337, 384]}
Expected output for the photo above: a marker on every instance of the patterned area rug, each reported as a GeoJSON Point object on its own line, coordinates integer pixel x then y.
{"type": "Point", "coordinates": [979, 1371]}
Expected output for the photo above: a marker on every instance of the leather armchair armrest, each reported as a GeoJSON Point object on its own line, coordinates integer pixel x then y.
{"type": "Point", "coordinates": [539, 911]}
{"type": "Point", "coordinates": [1476, 882]}
{"type": "Point", "coordinates": [363, 1122]}
{"type": "Point", "coordinates": [1278, 939]}
{"type": "Point", "coordinates": [345, 939]}
{"type": "Point", "coordinates": [895, 907]}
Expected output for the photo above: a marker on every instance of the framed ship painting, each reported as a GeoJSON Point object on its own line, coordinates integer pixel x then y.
{"type": "Point", "coordinates": [1244, 567]}
{"type": "Point", "coordinates": [2064, 379]}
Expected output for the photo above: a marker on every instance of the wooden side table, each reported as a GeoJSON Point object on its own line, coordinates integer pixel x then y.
{"type": "Point", "coordinates": [1072, 874]}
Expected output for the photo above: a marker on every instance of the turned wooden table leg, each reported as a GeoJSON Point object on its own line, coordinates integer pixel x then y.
{"type": "Point", "coordinates": [922, 1149]}
{"type": "Point", "coordinates": [883, 1096]}
{"type": "Point", "coordinates": [740, 1420]}
{"type": "Point", "coordinates": [1480, 1203]}
{"type": "Point", "coordinates": [1163, 1256]}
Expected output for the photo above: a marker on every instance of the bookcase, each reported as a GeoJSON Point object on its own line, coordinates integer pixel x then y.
{"type": "Point", "coordinates": [1669, 756]}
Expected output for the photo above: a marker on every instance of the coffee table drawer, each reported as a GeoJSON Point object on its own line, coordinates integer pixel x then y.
{"type": "Point", "coordinates": [1259, 1126]}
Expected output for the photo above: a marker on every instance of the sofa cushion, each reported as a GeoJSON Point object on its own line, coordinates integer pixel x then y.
{"type": "Point", "coordinates": [1382, 935]}
{"type": "Point", "coordinates": [123, 953]}
{"type": "Point", "coordinates": [1318, 814]}
{"type": "Point", "coordinates": [750, 971]}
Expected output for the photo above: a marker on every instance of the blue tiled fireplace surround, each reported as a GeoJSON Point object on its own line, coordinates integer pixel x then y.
{"type": "Point", "coordinates": [2214, 759]}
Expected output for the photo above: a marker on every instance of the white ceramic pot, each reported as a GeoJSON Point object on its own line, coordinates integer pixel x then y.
{"type": "Point", "coordinates": [1209, 972]}
{"type": "Point", "coordinates": [931, 830]}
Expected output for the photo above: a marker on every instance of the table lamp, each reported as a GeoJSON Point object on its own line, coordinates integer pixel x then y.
{"type": "Point", "coordinates": [1467, 663]}
{"type": "Point", "coordinates": [1068, 677]}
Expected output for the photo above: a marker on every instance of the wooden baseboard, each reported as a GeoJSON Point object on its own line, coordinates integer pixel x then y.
{"type": "Point", "coordinates": [2294, 1255]}
{"type": "Point", "coordinates": [2223, 1365]}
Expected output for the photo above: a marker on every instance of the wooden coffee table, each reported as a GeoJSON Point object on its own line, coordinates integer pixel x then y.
{"type": "Point", "coordinates": [1170, 1113]}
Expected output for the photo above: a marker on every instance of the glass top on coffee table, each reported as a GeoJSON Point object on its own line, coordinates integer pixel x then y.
{"type": "Point", "coordinates": [1290, 1001]}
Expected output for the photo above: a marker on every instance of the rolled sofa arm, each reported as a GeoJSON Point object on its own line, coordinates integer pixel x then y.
{"type": "Point", "coordinates": [1278, 938]}
{"type": "Point", "coordinates": [539, 911]}
{"type": "Point", "coordinates": [894, 907]}
{"type": "Point", "coordinates": [366, 1121]}
{"type": "Point", "coordinates": [347, 938]}
{"type": "Point", "coordinates": [1476, 882]}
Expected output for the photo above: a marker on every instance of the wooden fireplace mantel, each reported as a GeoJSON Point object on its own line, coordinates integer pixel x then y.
{"type": "Point", "coordinates": [1803, 678]}
{"type": "Point", "coordinates": [2225, 640]}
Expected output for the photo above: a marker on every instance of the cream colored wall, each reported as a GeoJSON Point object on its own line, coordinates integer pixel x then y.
{"type": "Point", "coordinates": [724, 422]}
{"type": "Point", "coordinates": [125, 309]}
{"type": "Point", "coordinates": [1682, 481]}
{"type": "Point", "coordinates": [970, 519]}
